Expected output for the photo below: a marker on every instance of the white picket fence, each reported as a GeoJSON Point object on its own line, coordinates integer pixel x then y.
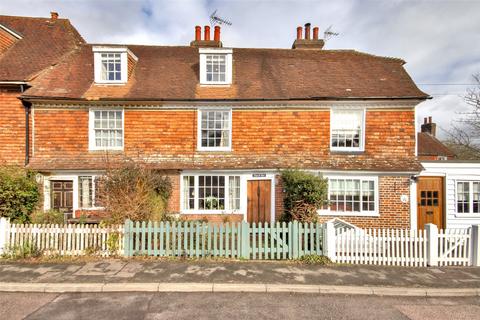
{"type": "Point", "coordinates": [381, 247]}
{"type": "Point", "coordinates": [68, 239]}
{"type": "Point", "coordinates": [398, 247]}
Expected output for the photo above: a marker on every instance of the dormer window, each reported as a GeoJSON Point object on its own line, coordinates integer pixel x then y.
{"type": "Point", "coordinates": [111, 64]}
{"type": "Point", "coordinates": [215, 66]}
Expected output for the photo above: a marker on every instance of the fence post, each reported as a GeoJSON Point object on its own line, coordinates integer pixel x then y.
{"type": "Point", "coordinates": [329, 241]}
{"type": "Point", "coordinates": [245, 240]}
{"type": "Point", "coordinates": [4, 234]}
{"type": "Point", "coordinates": [295, 239]}
{"type": "Point", "coordinates": [432, 244]}
{"type": "Point", "coordinates": [127, 252]}
{"type": "Point", "coordinates": [475, 245]}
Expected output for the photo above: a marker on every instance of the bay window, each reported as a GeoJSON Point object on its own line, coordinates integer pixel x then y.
{"type": "Point", "coordinates": [210, 193]}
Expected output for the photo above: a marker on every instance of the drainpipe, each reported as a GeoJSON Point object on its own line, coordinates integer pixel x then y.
{"type": "Point", "coordinates": [27, 128]}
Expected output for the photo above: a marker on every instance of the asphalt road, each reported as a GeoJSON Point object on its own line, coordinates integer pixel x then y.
{"type": "Point", "coordinates": [231, 306]}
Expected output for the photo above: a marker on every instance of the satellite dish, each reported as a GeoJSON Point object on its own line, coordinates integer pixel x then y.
{"type": "Point", "coordinates": [215, 19]}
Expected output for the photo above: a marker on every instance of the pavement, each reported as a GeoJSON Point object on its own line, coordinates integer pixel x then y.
{"type": "Point", "coordinates": [121, 275]}
{"type": "Point", "coordinates": [167, 305]}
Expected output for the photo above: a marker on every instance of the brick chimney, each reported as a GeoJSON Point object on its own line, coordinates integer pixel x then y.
{"type": "Point", "coordinates": [207, 39]}
{"type": "Point", "coordinates": [308, 42]}
{"type": "Point", "coordinates": [53, 16]}
{"type": "Point", "coordinates": [429, 127]}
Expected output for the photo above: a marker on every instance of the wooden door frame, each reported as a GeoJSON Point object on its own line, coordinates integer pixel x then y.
{"type": "Point", "coordinates": [444, 204]}
{"type": "Point", "coordinates": [272, 195]}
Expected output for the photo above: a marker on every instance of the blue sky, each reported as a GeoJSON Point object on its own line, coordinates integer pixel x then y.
{"type": "Point", "coordinates": [440, 40]}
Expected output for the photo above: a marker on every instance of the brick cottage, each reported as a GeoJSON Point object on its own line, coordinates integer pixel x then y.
{"type": "Point", "coordinates": [221, 122]}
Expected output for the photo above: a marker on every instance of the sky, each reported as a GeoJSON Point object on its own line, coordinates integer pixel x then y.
{"type": "Point", "coordinates": [439, 39]}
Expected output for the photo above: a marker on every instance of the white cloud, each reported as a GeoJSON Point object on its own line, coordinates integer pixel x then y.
{"type": "Point", "coordinates": [438, 39]}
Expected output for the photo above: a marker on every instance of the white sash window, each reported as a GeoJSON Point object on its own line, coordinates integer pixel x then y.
{"type": "Point", "coordinates": [347, 128]}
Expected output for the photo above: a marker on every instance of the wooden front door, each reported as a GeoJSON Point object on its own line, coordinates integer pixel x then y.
{"type": "Point", "coordinates": [259, 201]}
{"type": "Point", "coordinates": [62, 195]}
{"type": "Point", "coordinates": [430, 202]}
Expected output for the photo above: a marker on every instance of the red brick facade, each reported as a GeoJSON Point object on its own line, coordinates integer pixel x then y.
{"type": "Point", "coordinates": [12, 124]}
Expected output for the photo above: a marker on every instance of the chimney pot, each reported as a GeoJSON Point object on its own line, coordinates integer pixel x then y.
{"type": "Point", "coordinates": [54, 15]}
{"type": "Point", "coordinates": [216, 34]}
{"type": "Point", "coordinates": [206, 33]}
{"type": "Point", "coordinates": [428, 126]}
{"type": "Point", "coordinates": [299, 33]}
{"type": "Point", "coordinates": [198, 33]}
{"type": "Point", "coordinates": [307, 31]}
{"type": "Point", "coordinates": [315, 33]}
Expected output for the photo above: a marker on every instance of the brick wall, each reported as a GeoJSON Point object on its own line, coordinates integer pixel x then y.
{"type": "Point", "coordinates": [12, 127]}
{"type": "Point", "coordinates": [173, 133]}
{"type": "Point", "coordinates": [393, 212]}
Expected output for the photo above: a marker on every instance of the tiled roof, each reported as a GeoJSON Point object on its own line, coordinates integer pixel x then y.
{"type": "Point", "coordinates": [171, 73]}
{"type": "Point", "coordinates": [226, 162]}
{"type": "Point", "coordinates": [42, 44]}
{"type": "Point", "coordinates": [428, 145]}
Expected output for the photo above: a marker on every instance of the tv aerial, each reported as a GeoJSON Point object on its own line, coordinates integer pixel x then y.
{"type": "Point", "coordinates": [329, 33]}
{"type": "Point", "coordinates": [215, 19]}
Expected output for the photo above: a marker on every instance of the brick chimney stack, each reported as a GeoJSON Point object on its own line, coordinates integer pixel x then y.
{"type": "Point", "coordinates": [53, 16]}
{"type": "Point", "coordinates": [429, 127]}
{"type": "Point", "coordinates": [308, 42]}
{"type": "Point", "coordinates": [206, 41]}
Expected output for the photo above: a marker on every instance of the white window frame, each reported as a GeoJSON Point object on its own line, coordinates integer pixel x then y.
{"type": "Point", "coordinates": [361, 146]}
{"type": "Point", "coordinates": [226, 210]}
{"type": "Point", "coordinates": [97, 57]}
{"type": "Point", "coordinates": [199, 130]}
{"type": "Point", "coordinates": [361, 213]}
{"type": "Point", "coordinates": [470, 213]}
{"type": "Point", "coordinates": [91, 129]}
{"type": "Point", "coordinates": [203, 65]}
{"type": "Point", "coordinates": [93, 207]}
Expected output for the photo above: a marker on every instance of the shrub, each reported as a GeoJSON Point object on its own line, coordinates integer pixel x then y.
{"type": "Point", "coordinates": [304, 194]}
{"type": "Point", "coordinates": [134, 191]}
{"type": "Point", "coordinates": [19, 193]}
{"type": "Point", "coordinates": [27, 250]}
{"type": "Point", "coordinates": [48, 217]}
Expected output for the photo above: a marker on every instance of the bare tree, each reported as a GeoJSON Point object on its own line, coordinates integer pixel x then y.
{"type": "Point", "coordinates": [464, 133]}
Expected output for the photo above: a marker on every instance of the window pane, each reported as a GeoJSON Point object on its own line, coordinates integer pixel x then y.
{"type": "Point", "coordinates": [85, 194]}
{"type": "Point", "coordinates": [346, 128]}
{"type": "Point", "coordinates": [108, 129]}
{"type": "Point", "coordinates": [211, 192]}
{"type": "Point", "coordinates": [352, 195]}
{"type": "Point", "coordinates": [215, 130]}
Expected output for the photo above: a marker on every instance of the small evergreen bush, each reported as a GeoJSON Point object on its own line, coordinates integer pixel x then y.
{"type": "Point", "coordinates": [304, 193]}
{"type": "Point", "coordinates": [19, 193]}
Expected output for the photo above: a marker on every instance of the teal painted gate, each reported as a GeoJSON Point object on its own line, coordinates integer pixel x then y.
{"type": "Point", "coordinates": [227, 240]}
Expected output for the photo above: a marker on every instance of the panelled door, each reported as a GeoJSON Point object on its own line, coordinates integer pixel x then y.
{"type": "Point", "coordinates": [259, 201]}
{"type": "Point", "coordinates": [62, 195]}
{"type": "Point", "coordinates": [430, 202]}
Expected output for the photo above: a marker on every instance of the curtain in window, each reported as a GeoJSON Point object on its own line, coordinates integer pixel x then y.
{"type": "Point", "coordinates": [347, 119]}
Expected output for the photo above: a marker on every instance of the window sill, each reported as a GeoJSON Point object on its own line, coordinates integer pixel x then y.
{"type": "Point", "coordinates": [117, 83]}
{"type": "Point", "coordinates": [118, 150]}
{"type": "Point", "coordinates": [467, 215]}
{"type": "Point", "coordinates": [207, 212]}
{"type": "Point", "coordinates": [348, 214]}
{"type": "Point", "coordinates": [216, 84]}
{"type": "Point", "coordinates": [214, 149]}
{"type": "Point", "coordinates": [346, 151]}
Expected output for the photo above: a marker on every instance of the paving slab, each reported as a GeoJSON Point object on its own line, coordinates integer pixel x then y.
{"type": "Point", "coordinates": [73, 287]}
{"type": "Point", "coordinates": [293, 288]}
{"type": "Point", "coordinates": [239, 287]}
{"type": "Point", "coordinates": [185, 287]}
